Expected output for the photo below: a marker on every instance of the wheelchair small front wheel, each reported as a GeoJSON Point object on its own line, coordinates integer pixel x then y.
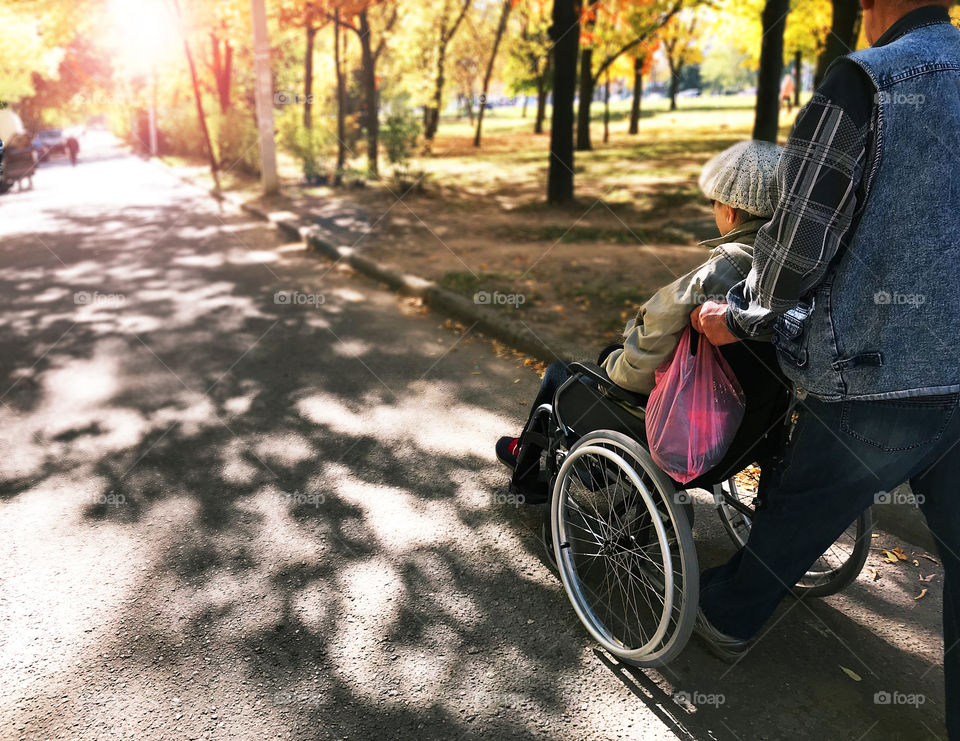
{"type": "Point", "coordinates": [624, 549]}
{"type": "Point", "coordinates": [839, 565]}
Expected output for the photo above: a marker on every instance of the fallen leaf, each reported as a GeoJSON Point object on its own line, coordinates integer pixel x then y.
{"type": "Point", "coordinates": [874, 573]}
{"type": "Point", "coordinates": [889, 557]}
{"type": "Point", "coordinates": [930, 558]}
{"type": "Point", "coordinates": [900, 554]}
{"type": "Point", "coordinates": [851, 673]}
{"type": "Point", "coordinates": [922, 593]}
{"type": "Point", "coordinates": [916, 562]}
{"type": "Point", "coordinates": [927, 578]}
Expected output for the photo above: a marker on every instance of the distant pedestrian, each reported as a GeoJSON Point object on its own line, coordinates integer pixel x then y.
{"type": "Point", "coordinates": [73, 146]}
{"type": "Point", "coordinates": [787, 89]}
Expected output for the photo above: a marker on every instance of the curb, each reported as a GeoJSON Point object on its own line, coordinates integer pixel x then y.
{"type": "Point", "coordinates": [516, 334]}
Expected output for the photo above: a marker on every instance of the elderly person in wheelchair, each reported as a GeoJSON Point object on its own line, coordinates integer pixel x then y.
{"type": "Point", "coordinates": [619, 528]}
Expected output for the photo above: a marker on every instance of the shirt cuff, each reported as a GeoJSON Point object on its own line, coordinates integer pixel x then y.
{"type": "Point", "coordinates": [735, 329]}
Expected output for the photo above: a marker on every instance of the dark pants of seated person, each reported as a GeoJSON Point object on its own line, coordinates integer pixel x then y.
{"type": "Point", "coordinates": [842, 454]}
{"type": "Point", "coordinates": [526, 478]}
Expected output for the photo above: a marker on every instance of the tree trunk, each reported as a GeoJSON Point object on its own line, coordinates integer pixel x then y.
{"type": "Point", "coordinates": [843, 35]}
{"type": "Point", "coordinates": [523, 108]}
{"type": "Point", "coordinates": [501, 27]}
{"type": "Point", "coordinates": [431, 115]}
{"type": "Point", "coordinates": [797, 76]}
{"type": "Point", "coordinates": [308, 79]}
{"type": "Point", "coordinates": [368, 74]}
{"type": "Point", "coordinates": [586, 98]}
{"type": "Point", "coordinates": [565, 33]}
{"type": "Point", "coordinates": [222, 63]}
{"type": "Point", "coordinates": [674, 85]}
{"type": "Point", "coordinates": [341, 101]}
{"type": "Point", "coordinates": [542, 98]}
{"type": "Point", "coordinates": [767, 118]}
{"type": "Point", "coordinates": [606, 109]}
{"type": "Point", "coordinates": [637, 94]}
{"type": "Point", "coordinates": [433, 111]}
{"type": "Point", "coordinates": [200, 115]}
{"type": "Point", "coordinates": [468, 102]}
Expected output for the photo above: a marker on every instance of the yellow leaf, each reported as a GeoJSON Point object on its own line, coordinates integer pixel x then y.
{"type": "Point", "coordinates": [922, 593]}
{"type": "Point", "coordinates": [851, 673]}
{"type": "Point", "coordinates": [889, 557]}
{"type": "Point", "coordinates": [900, 554]}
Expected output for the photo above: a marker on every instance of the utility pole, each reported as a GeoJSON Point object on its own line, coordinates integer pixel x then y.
{"type": "Point", "coordinates": [264, 93]}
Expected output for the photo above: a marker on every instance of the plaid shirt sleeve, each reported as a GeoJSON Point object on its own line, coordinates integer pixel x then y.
{"type": "Point", "coordinates": [817, 195]}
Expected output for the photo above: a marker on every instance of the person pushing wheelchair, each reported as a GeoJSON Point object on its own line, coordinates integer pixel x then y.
{"type": "Point", "coordinates": [857, 274]}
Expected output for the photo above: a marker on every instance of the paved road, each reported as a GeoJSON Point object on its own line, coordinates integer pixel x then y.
{"type": "Point", "coordinates": [225, 514]}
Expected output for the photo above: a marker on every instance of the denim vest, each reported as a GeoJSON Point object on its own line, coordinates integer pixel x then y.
{"type": "Point", "coordinates": [885, 321]}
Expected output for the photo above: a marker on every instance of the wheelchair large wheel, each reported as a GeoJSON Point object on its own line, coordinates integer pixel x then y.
{"type": "Point", "coordinates": [624, 549]}
{"type": "Point", "coordinates": [836, 569]}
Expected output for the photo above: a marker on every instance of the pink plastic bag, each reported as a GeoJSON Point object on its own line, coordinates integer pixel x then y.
{"type": "Point", "coordinates": [694, 410]}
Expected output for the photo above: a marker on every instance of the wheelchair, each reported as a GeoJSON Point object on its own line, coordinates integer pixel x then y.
{"type": "Point", "coordinates": [619, 530]}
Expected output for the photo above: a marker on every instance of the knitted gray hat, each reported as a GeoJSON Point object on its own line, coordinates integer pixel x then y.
{"type": "Point", "coordinates": [743, 176]}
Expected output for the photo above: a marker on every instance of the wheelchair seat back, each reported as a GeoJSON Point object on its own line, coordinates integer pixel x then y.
{"type": "Point", "coordinates": [581, 408]}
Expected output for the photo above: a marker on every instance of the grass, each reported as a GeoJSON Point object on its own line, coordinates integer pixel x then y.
{"type": "Point", "coordinates": [480, 223]}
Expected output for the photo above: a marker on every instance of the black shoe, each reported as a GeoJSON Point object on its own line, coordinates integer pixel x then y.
{"type": "Point", "coordinates": [507, 448]}
{"type": "Point", "coordinates": [723, 646]}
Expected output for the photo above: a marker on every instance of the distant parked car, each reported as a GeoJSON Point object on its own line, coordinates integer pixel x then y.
{"type": "Point", "coordinates": [689, 93]}
{"type": "Point", "coordinates": [50, 141]}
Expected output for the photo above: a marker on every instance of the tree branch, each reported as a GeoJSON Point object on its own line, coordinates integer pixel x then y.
{"type": "Point", "coordinates": [642, 37]}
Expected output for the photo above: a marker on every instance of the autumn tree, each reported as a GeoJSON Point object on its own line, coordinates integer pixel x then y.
{"type": "Point", "coordinates": [613, 29]}
{"type": "Point", "coordinates": [844, 30]}
{"type": "Point", "coordinates": [505, 7]}
{"type": "Point", "coordinates": [642, 61]}
{"type": "Point", "coordinates": [529, 55]}
{"type": "Point", "coordinates": [679, 39]}
{"type": "Point", "coordinates": [448, 20]}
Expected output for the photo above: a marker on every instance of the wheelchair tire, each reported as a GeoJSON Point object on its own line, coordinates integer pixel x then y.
{"type": "Point", "coordinates": [624, 549]}
{"type": "Point", "coordinates": [836, 569]}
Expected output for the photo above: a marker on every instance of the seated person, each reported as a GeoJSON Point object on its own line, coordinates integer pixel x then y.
{"type": "Point", "coordinates": [739, 183]}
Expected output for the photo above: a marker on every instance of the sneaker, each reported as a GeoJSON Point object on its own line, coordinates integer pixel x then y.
{"type": "Point", "coordinates": [721, 645]}
{"type": "Point", "coordinates": [507, 449]}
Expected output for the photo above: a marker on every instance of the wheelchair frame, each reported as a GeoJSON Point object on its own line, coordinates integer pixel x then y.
{"type": "Point", "coordinates": [644, 527]}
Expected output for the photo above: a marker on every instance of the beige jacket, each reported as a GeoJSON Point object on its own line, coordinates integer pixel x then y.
{"type": "Point", "coordinates": [654, 334]}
